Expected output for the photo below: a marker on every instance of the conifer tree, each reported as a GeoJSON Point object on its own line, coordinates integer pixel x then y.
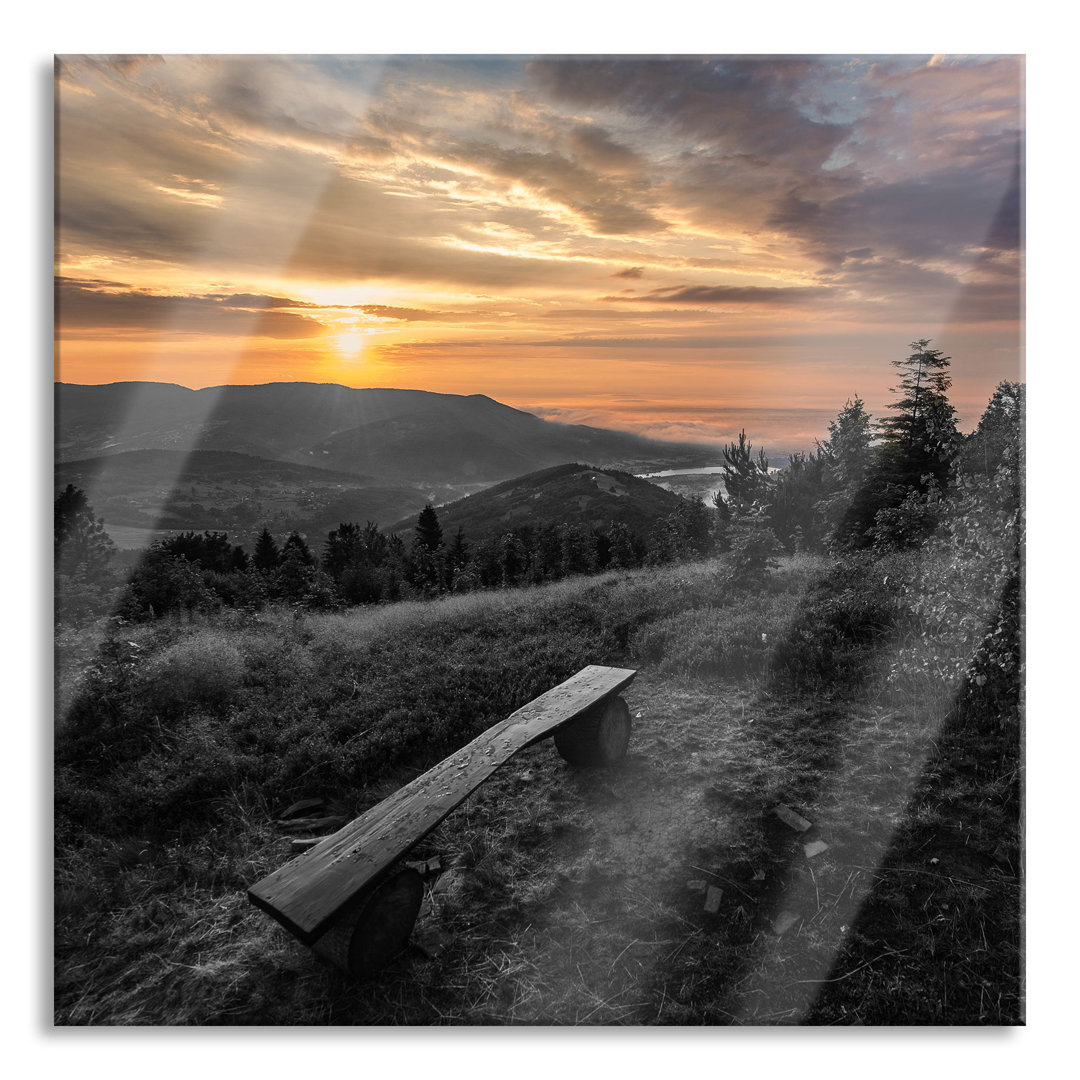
{"type": "Point", "coordinates": [428, 529]}
{"type": "Point", "coordinates": [920, 441]}
{"type": "Point", "coordinates": [342, 549]}
{"type": "Point", "coordinates": [896, 504]}
{"type": "Point", "coordinates": [266, 556]}
{"type": "Point", "coordinates": [458, 555]}
{"type": "Point", "coordinates": [79, 538]}
{"type": "Point", "coordinates": [746, 477]}
{"type": "Point", "coordinates": [296, 548]}
{"type": "Point", "coordinates": [847, 451]}
{"type": "Point", "coordinates": [623, 552]}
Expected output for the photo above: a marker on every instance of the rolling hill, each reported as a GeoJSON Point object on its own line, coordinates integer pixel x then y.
{"type": "Point", "coordinates": [574, 493]}
{"type": "Point", "coordinates": [238, 493]}
{"type": "Point", "coordinates": [387, 436]}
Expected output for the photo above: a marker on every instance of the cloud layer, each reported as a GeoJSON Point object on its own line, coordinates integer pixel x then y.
{"type": "Point", "coordinates": [468, 204]}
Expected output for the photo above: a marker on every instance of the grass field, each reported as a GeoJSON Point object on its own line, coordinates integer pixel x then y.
{"type": "Point", "coordinates": [568, 895]}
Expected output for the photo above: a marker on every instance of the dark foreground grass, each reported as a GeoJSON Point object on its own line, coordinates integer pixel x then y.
{"type": "Point", "coordinates": [567, 900]}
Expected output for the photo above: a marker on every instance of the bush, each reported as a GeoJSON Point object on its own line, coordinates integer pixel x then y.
{"type": "Point", "coordinates": [907, 525]}
{"type": "Point", "coordinates": [204, 671]}
{"type": "Point", "coordinates": [845, 619]}
{"type": "Point", "coordinates": [167, 583]}
{"type": "Point", "coordinates": [753, 552]}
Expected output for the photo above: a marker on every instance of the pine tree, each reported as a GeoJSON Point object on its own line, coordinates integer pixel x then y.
{"type": "Point", "coordinates": [897, 503]}
{"type": "Point", "coordinates": [920, 441]}
{"type": "Point", "coordinates": [80, 542]}
{"type": "Point", "coordinates": [428, 529]}
{"type": "Point", "coordinates": [342, 549]}
{"type": "Point", "coordinates": [847, 450]}
{"type": "Point", "coordinates": [296, 547]}
{"type": "Point", "coordinates": [793, 512]}
{"type": "Point", "coordinates": [458, 555]}
{"type": "Point", "coordinates": [746, 477]}
{"type": "Point", "coordinates": [266, 557]}
{"type": "Point", "coordinates": [623, 553]}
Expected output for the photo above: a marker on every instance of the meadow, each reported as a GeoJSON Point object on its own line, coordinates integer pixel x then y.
{"type": "Point", "coordinates": [848, 689]}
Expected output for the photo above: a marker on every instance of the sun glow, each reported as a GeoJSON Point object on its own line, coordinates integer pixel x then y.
{"type": "Point", "coordinates": [351, 343]}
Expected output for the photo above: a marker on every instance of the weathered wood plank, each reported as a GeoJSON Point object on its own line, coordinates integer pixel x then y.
{"type": "Point", "coordinates": [307, 893]}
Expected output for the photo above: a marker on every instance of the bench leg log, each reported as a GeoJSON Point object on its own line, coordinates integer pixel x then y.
{"type": "Point", "coordinates": [598, 737]}
{"type": "Point", "coordinates": [368, 938]}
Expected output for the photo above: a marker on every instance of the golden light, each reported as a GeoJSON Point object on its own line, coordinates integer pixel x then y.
{"type": "Point", "coordinates": [350, 344]}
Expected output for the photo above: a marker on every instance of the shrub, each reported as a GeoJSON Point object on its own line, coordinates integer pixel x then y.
{"type": "Point", "coordinates": [205, 670]}
{"type": "Point", "coordinates": [843, 622]}
{"type": "Point", "coordinates": [753, 551]}
{"type": "Point", "coordinates": [165, 583]}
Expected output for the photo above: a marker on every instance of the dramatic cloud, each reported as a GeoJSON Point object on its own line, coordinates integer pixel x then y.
{"type": "Point", "coordinates": [435, 218]}
{"type": "Point", "coordinates": [101, 305]}
{"type": "Point", "coordinates": [723, 294]}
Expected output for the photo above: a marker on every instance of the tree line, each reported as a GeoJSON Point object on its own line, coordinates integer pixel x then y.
{"type": "Point", "coordinates": [867, 485]}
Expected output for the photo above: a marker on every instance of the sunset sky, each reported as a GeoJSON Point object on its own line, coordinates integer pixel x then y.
{"type": "Point", "coordinates": [675, 247]}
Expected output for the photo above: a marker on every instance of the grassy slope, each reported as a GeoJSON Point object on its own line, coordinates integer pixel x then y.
{"type": "Point", "coordinates": [569, 902]}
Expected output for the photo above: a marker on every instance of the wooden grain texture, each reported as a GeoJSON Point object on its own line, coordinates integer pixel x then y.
{"type": "Point", "coordinates": [307, 893]}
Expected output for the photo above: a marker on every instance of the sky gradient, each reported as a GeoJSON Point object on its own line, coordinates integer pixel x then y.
{"type": "Point", "coordinates": [675, 247]}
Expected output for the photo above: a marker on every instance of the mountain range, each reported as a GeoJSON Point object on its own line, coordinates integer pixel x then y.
{"type": "Point", "coordinates": [308, 456]}
{"type": "Point", "coordinates": [385, 435]}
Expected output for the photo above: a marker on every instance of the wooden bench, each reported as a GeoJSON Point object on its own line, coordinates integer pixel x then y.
{"type": "Point", "coordinates": [350, 898]}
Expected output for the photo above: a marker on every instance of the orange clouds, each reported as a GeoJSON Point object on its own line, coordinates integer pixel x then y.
{"type": "Point", "coordinates": [721, 228]}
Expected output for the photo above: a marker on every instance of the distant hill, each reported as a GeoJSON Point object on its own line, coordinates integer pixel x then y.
{"type": "Point", "coordinates": [577, 494]}
{"type": "Point", "coordinates": [237, 493]}
{"type": "Point", "coordinates": [385, 435]}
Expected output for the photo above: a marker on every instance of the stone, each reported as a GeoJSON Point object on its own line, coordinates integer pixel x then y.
{"type": "Point", "coordinates": [790, 818]}
{"type": "Point", "coordinates": [785, 921]}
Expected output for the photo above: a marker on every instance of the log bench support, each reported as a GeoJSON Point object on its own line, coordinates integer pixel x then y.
{"type": "Point", "coordinates": [349, 897]}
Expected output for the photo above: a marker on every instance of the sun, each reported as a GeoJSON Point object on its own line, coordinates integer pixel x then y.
{"type": "Point", "coordinates": [350, 344]}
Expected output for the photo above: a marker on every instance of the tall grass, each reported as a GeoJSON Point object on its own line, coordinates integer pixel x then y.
{"type": "Point", "coordinates": [177, 723]}
{"type": "Point", "coordinates": [181, 740]}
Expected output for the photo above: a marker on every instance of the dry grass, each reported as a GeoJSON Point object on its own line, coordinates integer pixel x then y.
{"type": "Point", "coordinates": [567, 898]}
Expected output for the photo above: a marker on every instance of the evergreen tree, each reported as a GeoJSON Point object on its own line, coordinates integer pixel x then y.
{"type": "Point", "coordinates": [847, 450]}
{"type": "Point", "coordinates": [428, 529]}
{"type": "Point", "coordinates": [296, 547]}
{"type": "Point", "coordinates": [920, 441]}
{"type": "Point", "coordinates": [623, 553]}
{"type": "Point", "coordinates": [266, 557]}
{"type": "Point", "coordinates": [458, 555]}
{"type": "Point", "coordinates": [746, 477]}
{"type": "Point", "coordinates": [793, 511]}
{"type": "Point", "coordinates": [373, 544]}
{"type": "Point", "coordinates": [514, 558]}
{"type": "Point", "coordinates": [210, 551]}
{"type": "Point", "coordinates": [80, 542]}
{"type": "Point", "coordinates": [547, 554]}
{"type": "Point", "coordinates": [577, 549]}
{"type": "Point", "coordinates": [897, 504]}
{"type": "Point", "coordinates": [343, 549]}
{"type": "Point", "coordinates": [485, 563]}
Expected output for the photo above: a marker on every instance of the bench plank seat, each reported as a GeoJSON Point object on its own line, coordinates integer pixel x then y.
{"type": "Point", "coordinates": [308, 893]}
